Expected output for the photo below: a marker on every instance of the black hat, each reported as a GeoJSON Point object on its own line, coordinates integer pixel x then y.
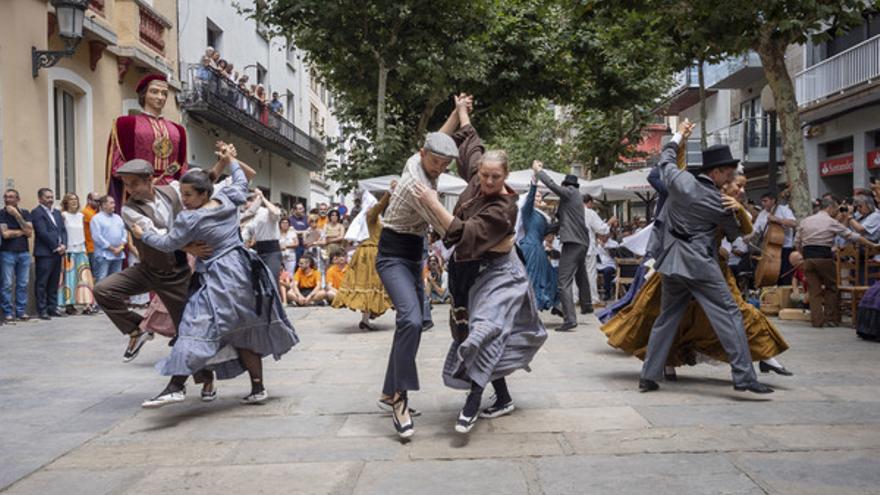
{"type": "Point", "coordinates": [570, 180]}
{"type": "Point", "coordinates": [717, 155]}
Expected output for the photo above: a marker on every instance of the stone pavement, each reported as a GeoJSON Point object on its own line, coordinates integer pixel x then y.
{"type": "Point", "coordinates": [70, 420]}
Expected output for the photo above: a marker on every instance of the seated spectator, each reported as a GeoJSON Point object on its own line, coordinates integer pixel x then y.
{"type": "Point", "coordinates": [606, 265]}
{"type": "Point", "coordinates": [335, 274]}
{"type": "Point", "coordinates": [306, 290]}
{"type": "Point", "coordinates": [285, 283]}
{"type": "Point", "coordinates": [798, 281]}
{"type": "Point", "coordinates": [436, 281]}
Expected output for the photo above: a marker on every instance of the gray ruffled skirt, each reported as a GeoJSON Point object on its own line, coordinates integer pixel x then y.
{"type": "Point", "coordinates": [505, 330]}
{"type": "Point", "coordinates": [233, 304]}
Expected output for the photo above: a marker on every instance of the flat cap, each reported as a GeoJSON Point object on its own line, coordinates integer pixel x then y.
{"type": "Point", "coordinates": [135, 167]}
{"type": "Point", "coordinates": [441, 144]}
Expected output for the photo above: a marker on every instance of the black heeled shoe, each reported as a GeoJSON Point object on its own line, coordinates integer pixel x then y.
{"type": "Point", "coordinates": [404, 430]}
{"type": "Point", "coordinates": [779, 370]}
{"type": "Point", "coordinates": [670, 376]}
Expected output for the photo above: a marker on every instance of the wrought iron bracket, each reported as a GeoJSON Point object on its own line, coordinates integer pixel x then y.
{"type": "Point", "coordinates": [42, 59]}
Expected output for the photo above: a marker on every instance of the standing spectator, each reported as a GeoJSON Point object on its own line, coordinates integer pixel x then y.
{"type": "Point", "coordinates": [110, 237]}
{"type": "Point", "coordinates": [334, 233]}
{"type": "Point", "coordinates": [275, 105]}
{"type": "Point", "coordinates": [50, 245]}
{"type": "Point", "coordinates": [91, 209]}
{"type": "Point", "coordinates": [322, 214]}
{"type": "Point", "coordinates": [76, 278]}
{"type": "Point", "coordinates": [289, 245]}
{"type": "Point", "coordinates": [214, 55]}
{"type": "Point", "coordinates": [16, 227]}
{"type": "Point", "coordinates": [299, 222]}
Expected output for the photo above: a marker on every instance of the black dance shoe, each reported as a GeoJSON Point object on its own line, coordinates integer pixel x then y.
{"type": "Point", "coordinates": [585, 310]}
{"type": "Point", "coordinates": [646, 385]}
{"type": "Point", "coordinates": [407, 429]}
{"type": "Point", "coordinates": [566, 327]}
{"type": "Point", "coordinates": [755, 386]}
{"type": "Point", "coordinates": [779, 370]}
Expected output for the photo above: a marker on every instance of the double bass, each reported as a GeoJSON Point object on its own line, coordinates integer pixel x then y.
{"type": "Point", "coordinates": [770, 261]}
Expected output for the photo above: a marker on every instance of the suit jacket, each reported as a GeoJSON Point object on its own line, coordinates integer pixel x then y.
{"type": "Point", "coordinates": [572, 227]}
{"type": "Point", "coordinates": [692, 215]}
{"type": "Point", "coordinates": [47, 235]}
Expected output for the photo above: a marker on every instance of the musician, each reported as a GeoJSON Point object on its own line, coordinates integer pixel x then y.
{"type": "Point", "coordinates": [868, 222]}
{"type": "Point", "coordinates": [146, 136]}
{"type": "Point", "coordinates": [779, 214]}
{"type": "Point", "coordinates": [815, 238]}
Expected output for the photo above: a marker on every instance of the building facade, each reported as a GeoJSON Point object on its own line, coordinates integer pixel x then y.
{"type": "Point", "coordinates": [286, 148]}
{"type": "Point", "coordinates": [54, 126]}
{"type": "Point", "coordinates": [838, 92]}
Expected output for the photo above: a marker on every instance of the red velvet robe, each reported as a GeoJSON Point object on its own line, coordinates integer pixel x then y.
{"type": "Point", "coordinates": [132, 136]}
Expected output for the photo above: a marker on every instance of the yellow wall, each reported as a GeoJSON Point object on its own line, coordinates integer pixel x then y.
{"type": "Point", "coordinates": [25, 101]}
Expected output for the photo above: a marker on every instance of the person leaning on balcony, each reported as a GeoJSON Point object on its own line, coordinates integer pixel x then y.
{"type": "Point", "coordinates": [814, 239]}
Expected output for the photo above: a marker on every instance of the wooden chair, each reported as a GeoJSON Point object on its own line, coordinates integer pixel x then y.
{"type": "Point", "coordinates": [847, 267]}
{"type": "Point", "coordinates": [872, 266]}
{"type": "Point", "coordinates": [626, 271]}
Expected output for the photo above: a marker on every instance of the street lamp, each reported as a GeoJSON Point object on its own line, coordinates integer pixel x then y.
{"type": "Point", "coordinates": [70, 15]}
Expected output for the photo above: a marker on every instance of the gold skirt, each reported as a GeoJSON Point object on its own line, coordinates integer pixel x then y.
{"type": "Point", "coordinates": [361, 288]}
{"type": "Point", "coordinates": [630, 328]}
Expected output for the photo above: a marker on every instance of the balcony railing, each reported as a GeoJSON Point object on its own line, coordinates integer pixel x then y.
{"type": "Point", "coordinates": [734, 72]}
{"type": "Point", "coordinates": [152, 29]}
{"type": "Point", "coordinates": [214, 97]}
{"type": "Point", "coordinates": [749, 141]}
{"type": "Point", "coordinates": [688, 78]}
{"type": "Point", "coordinates": [852, 67]}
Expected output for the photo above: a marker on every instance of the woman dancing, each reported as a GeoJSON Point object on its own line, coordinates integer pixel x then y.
{"type": "Point", "coordinates": [234, 316]}
{"type": "Point", "coordinates": [496, 327]}
{"type": "Point", "coordinates": [531, 227]}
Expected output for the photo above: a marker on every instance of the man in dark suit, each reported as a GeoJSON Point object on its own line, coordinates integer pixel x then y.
{"type": "Point", "coordinates": [50, 244]}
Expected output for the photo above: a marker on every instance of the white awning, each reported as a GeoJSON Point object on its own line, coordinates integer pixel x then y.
{"type": "Point", "coordinates": [520, 181]}
{"type": "Point", "coordinates": [628, 186]}
{"type": "Point", "coordinates": [447, 184]}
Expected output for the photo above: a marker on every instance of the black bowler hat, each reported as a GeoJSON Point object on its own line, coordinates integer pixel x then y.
{"type": "Point", "coordinates": [570, 180]}
{"type": "Point", "coordinates": [717, 155]}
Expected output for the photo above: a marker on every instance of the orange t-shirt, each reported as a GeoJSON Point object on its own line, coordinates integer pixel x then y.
{"type": "Point", "coordinates": [322, 221]}
{"type": "Point", "coordinates": [88, 213]}
{"type": "Point", "coordinates": [335, 276]}
{"type": "Point", "coordinates": [306, 281]}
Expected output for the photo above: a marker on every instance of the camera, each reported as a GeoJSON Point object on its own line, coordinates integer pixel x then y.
{"type": "Point", "coordinates": [843, 209]}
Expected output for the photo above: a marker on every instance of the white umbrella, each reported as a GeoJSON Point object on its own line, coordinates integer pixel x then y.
{"type": "Point", "coordinates": [628, 186]}
{"type": "Point", "coordinates": [520, 181]}
{"type": "Point", "coordinates": [446, 184]}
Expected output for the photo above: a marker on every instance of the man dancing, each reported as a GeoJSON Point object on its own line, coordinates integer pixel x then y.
{"type": "Point", "coordinates": [688, 262]}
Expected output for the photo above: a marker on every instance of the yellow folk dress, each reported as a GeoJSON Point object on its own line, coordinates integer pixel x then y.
{"type": "Point", "coordinates": [630, 329]}
{"type": "Point", "coordinates": [361, 288]}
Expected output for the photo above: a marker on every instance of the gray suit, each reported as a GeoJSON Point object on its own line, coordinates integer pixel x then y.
{"type": "Point", "coordinates": [575, 239]}
{"type": "Point", "coordinates": [689, 268]}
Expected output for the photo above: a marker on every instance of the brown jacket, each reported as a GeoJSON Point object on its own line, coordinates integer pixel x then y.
{"type": "Point", "coordinates": [481, 222]}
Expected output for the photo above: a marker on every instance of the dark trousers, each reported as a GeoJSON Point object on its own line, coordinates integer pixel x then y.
{"type": "Point", "coordinates": [608, 274]}
{"type": "Point", "coordinates": [113, 292]}
{"type": "Point", "coordinates": [785, 272]}
{"type": "Point", "coordinates": [824, 301]}
{"type": "Point", "coordinates": [273, 262]}
{"type": "Point", "coordinates": [403, 282]}
{"type": "Point", "coordinates": [573, 270]}
{"type": "Point", "coordinates": [47, 270]}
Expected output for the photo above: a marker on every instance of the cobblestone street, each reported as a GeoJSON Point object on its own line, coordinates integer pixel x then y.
{"type": "Point", "coordinates": [71, 420]}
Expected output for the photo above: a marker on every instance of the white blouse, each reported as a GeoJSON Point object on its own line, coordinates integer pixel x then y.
{"type": "Point", "coordinates": [76, 237]}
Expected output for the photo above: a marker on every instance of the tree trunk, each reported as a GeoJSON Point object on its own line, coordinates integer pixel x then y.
{"type": "Point", "coordinates": [702, 80]}
{"type": "Point", "coordinates": [427, 113]}
{"type": "Point", "coordinates": [773, 59]}
{"type": "Point", "coordinates": [380, 102]}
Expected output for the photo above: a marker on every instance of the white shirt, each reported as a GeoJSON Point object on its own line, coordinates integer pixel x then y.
{"type": "Point", "coordinates": [49, 212]}
{"type": "Point", "coordinates": [76, 236]}
{"type": "Point", "coordinates": [783, 212]}
{"type": "Point", "coordinates": [163, 208]}
{"type": "Point", "coordinates": [263, 227]}
{"type": "Point", "coordinates": [288, 251]}
{"type": "Point", "coordinates": [605, 259]}
{"type": "Point", "coordinates": [738, 244]}
{"type": "Point", "coordinates": [871, 223]}
{"type": "Point", "coordinates": [596, 226]}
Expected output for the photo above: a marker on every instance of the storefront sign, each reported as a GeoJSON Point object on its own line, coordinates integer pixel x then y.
{"type": "Point", "coordinates": [874, 159]}
{"type": "Point", "coordinates": [836, 166]}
